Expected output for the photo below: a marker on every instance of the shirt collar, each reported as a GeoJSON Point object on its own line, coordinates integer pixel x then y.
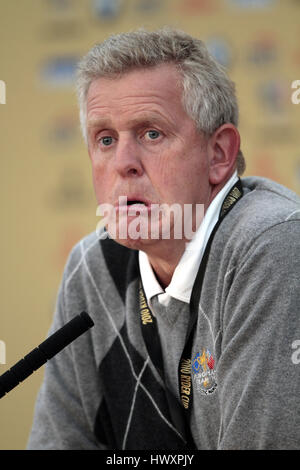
{"type": "Point", "coordinates": [185, 273]}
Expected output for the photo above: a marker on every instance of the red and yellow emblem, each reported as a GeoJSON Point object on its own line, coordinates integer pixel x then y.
{"type": "Point", "coordinates": [203, 372]}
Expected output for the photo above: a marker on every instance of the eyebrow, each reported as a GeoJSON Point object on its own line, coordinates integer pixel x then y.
{"type": "Point", "coordinates": [148, 120]}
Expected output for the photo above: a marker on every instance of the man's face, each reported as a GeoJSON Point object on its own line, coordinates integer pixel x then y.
{"type": "Point", "coordinates": [143, 145]}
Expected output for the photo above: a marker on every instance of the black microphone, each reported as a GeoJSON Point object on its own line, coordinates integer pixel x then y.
{"type": "Point", "coordinates": [45, 351]}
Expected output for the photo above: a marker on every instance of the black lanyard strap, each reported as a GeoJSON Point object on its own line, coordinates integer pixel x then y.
{"type": "Point", "coordinates": [185, 363]}
{"type": "Point", "coordinates": [153, 345]}
{"type": "Point", "coordinates": [151, 334]}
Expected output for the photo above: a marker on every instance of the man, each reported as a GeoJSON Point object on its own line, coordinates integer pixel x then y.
{"type": "Point", "coordinates": [193, 343]}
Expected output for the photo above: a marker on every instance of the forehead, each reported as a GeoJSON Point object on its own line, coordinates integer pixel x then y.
{"type": "Point", "coordinates": [158, 86]}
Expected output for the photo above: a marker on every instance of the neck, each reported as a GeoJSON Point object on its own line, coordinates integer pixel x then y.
{"type": "Point", "coordinates": [164, 266]}
{"type": "Point", "coordinates": [165, 256]}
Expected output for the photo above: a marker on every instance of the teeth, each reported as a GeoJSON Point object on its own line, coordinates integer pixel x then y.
{"type": "Point", "coordinates": [130, 203]}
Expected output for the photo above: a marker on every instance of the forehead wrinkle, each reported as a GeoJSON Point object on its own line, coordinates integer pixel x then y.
{"type": "Point", "coordinates": [166, 86]}
{"type": "Point", "coordinates": [140, 117]}
{"type": "Point", "coordinates": [125, 101]}
{"type": "Point", "coordinates": [132, 93]}
{"type": "Point", "coordinates": [152, 103]}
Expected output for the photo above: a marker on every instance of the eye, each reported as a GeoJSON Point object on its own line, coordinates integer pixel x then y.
{"type": "Point", "coordinates": [153, 134]}
{"type": "Point", "coordinates": [106, 140]}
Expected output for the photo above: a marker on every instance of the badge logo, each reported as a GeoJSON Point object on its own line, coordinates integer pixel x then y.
{"type": "Point", "coordinates": [203, 372]}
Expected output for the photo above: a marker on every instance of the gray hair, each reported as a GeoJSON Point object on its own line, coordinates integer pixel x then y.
{"type": "Point", "coordinates": [208, 94]}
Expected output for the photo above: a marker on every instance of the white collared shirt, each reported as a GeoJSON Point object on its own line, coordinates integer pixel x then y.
{"type": "Point", "coordinates": [185, 273]}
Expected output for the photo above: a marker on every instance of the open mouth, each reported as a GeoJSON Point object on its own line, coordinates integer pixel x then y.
{"type": "Point", "coordinates": [132, 203]}
{"type": "Point", "coordinates": [136, 201]}
{"type": "Point", "coordinates": [135, 206]}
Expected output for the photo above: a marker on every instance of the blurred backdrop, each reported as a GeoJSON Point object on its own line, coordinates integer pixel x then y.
{"type": "Point", "coordinates": [47, 200]}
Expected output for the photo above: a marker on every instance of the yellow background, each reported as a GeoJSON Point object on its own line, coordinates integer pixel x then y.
{"type": "Point", "coordinates": [47, 200]}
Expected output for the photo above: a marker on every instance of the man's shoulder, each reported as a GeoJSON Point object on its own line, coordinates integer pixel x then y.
{"type": "Point", "coordinates": [264, 189]}
{"type": "Point", "coordinates": [265, 207]}
{"type": "Point", "coordinates": [266, 204]}
{"type": "Point", "coordinates": [101, 258]}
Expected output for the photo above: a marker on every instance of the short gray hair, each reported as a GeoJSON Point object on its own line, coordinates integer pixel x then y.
{"type": "Point", "coordinates": [208, 93]}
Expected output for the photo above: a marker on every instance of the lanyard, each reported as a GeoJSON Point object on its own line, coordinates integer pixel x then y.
{"type": "Point", "coordinates": [180, 411]}
{"type": "Point", "coordinates": [151, 339]}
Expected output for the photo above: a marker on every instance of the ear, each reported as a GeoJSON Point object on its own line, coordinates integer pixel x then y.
{"type": "Point", "coordinates": [223, 147]}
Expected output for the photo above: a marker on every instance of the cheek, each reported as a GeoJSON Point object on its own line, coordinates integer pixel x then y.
{"type": "Point", "coordinates": [182, 178]}
{"type": "Point", "coordinates": [99, 194]}
{"type": "Point", "coordinates": [170, 182]}
{"type": "Point", "coordinates": [163, 175]}
{"type": "Point", "coordinates": [175, 168]}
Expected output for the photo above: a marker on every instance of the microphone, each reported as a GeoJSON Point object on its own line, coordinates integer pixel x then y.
{"type": "Point", "coordinates": [45, 351]}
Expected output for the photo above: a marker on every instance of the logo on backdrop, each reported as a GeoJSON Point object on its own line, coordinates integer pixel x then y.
{"type": "Point", "coordinates": [107, 9]}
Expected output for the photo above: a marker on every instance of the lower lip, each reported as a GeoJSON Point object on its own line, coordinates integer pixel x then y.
{"type": "Point", "coordinates": [134, 209]}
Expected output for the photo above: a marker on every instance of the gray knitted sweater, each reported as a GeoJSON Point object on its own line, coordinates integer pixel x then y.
{"type": "Point", "coordinates": [103, 391]}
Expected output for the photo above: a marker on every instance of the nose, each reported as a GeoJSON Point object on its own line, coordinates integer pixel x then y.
{"type": "Point", "coordinates": [127, 159]}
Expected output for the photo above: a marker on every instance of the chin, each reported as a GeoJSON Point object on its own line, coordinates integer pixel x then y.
{"type": "Point", "coordinates": [138, 244]}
